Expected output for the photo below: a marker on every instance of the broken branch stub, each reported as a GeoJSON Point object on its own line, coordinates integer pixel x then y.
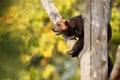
{"type": "Point", "coordinates": [52, 11]}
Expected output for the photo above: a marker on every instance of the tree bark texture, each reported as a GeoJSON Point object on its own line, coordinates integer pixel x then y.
{"type": "Point", "coordinates": [94, 59]}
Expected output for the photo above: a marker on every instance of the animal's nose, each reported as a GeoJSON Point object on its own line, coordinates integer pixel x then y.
{"type": "Point", "coordinates": [52, 29]}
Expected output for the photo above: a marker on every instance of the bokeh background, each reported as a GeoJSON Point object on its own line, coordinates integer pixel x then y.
{"type": "Point", "coordinates": [29, 50]}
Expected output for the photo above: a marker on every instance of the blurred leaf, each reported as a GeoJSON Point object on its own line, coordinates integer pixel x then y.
{"type": "Point", "coordinates": [48, 71]}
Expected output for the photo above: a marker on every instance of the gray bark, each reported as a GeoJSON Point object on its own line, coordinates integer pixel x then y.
{"type": "Point", "coordinates": [94, 59]}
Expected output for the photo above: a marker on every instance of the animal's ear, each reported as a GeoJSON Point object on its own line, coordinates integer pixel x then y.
{"type": "Point", "coordinates": [66, 22]}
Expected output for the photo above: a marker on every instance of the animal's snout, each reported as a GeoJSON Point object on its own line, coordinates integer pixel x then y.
{"type": "Point", "coordinates": [52, 29]}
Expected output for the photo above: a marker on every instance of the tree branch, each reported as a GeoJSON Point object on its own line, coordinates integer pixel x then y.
{"type": "Point", "coordinates": [115, 75]}
{"type": "Point", "coordinates": [52, 11]}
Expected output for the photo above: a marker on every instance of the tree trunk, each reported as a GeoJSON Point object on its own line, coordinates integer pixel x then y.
{"type": "Point", "coordinates": [94, 58]}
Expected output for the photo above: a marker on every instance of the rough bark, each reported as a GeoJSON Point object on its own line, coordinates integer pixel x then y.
{"type": "Point", "coordinates": [94, 59]}
{"type": "Point", "coordinates": [84, 57]}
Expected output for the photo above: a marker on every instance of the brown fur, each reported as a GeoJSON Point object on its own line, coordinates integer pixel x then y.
{"type": "Point", "coordinates": [74, 27]}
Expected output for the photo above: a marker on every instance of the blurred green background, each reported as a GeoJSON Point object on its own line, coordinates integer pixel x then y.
{"type": "Point", "coordinates": [29, 50]}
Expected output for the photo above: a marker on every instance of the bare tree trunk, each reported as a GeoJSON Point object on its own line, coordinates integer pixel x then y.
{"type": "Point", "coordinates": [94, 59]}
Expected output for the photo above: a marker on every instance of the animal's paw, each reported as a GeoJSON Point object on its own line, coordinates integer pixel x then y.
{"type": "Point", "coordinates": [71, 53]}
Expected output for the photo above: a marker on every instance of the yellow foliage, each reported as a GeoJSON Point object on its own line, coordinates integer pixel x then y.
{"type": "Point", "coordinates": [48, 52]}
{"type": "Point", "coordinates": [46, 45]}
{"type": "Point", "coordinates": [64, 4]}
{"type": "Point", "coordinates": [115, 19]}
{"type": "Point", "coordinates": [62, 46]}
{"type": "Point", "coordinates": [35, 50]}
{"type": "Point", "coordinates": [25, 58]}
{"type": "Point", "coordinates": [23, 75]}
{"type": "Point", "coordinates": [48, 71]}
{"type": "Point", "coordinates": [13, 9]}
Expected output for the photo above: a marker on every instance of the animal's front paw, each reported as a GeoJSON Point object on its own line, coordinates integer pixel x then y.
{"type": "Point", "coordinates": [71, 53]}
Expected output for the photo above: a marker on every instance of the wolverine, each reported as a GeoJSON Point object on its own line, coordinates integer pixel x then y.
{"type": "Point", "coordinates": [74, 28]}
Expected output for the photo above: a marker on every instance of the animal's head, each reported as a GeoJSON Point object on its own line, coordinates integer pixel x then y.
{"type": "Point", "coordinates": [60, 27]}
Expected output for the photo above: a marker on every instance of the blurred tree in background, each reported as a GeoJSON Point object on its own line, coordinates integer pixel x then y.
{"type": "Point", "coordinates": [29, 50]}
